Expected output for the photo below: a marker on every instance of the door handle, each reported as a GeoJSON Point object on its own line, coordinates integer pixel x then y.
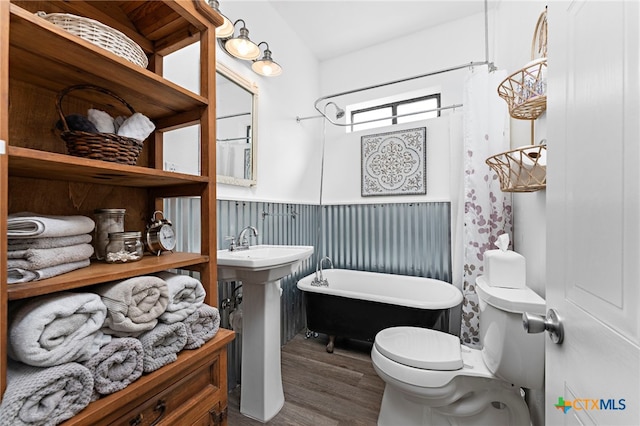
{"type": "Point", "coordinates": [537, 324]}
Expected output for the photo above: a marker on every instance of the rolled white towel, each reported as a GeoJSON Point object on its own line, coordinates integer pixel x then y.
{"type": "Point", "coordinates": [102, 121]}
{"type": "Point", "coordinates": [137, 127]}
{"type": "Point", "coordinates": [57, 328]}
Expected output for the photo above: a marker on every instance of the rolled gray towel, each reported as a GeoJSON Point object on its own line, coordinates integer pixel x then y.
{"type": "Point", "coordinates": [186, 294]}
{"type": "Point", "coordinates": [116, 365]}
{"type": "Point", "coordinates": [162, 344]}
{"type": "Point", "coordinates": [44, 396]}
{"type": "Point", "coordinates": [202, 326]}
{"type": "Point", "coordinates": [57, 328]}
{"type": "Point", "coordinates": [134, 305]}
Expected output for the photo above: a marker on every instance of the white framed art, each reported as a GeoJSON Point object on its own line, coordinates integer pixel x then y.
{"type": "Point", "coordinates": [394, 163]}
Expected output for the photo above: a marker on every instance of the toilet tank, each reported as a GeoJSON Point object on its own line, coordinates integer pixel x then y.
{"type": "Point", "coordinates": [508, 350]}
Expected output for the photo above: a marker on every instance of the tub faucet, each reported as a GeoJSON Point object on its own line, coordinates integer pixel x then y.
{"type": "Point", "coordinates": [243, 241]}
{"type": "Point", "coordinates": [319, 280]}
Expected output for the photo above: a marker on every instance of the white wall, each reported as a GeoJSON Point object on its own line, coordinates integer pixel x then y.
{"type": "Point", "coordinates": [441, 47]}
{"type": "Point", "coordinates": [512, 48]}
{"type": "Point", "coordinates": [289, 153]}
{"type": "Point", "coordinates": [288, 167]}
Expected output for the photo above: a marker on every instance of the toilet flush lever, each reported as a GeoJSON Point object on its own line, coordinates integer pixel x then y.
{"type": "Point", "coordinates": [538, 324]}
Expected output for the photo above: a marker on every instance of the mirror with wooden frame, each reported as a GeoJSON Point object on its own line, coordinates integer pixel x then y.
{"type": "Point", "coordinates": [236, 128]}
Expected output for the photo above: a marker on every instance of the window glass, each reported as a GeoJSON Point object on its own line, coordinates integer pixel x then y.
{"type": "Point", "coordinates": [387, 114]}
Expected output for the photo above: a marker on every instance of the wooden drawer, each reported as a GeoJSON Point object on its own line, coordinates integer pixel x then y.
{"type": "Point", "coordinates": [199, 389]}
{"type": "Point", "coordinates": [181, 393]}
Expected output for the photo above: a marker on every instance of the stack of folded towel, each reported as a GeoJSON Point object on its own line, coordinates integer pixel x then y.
{"type": "Point", "coordinates": [42, 246]}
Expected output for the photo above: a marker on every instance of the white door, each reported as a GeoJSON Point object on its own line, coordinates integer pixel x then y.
{"type": "Point", "coordinates": [593, 213]}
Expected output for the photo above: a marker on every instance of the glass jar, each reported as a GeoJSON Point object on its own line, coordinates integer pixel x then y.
{"type": "Point", "coordinates": [107, 220]}
{"type": "Point", "coordinates": [124, 247]}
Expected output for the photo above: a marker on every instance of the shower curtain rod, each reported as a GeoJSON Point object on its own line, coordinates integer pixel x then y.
{"type": "Point", "coordinates": [243, 138]}
{"type": "Point", "coordinates": [402, 80]}
{"type": "Point", "coordinates": [240, 114]}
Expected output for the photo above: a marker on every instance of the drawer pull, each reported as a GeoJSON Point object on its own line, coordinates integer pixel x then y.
{"type": "Point", "coordinates": [137, 420]}
{"type": "Point", "coordinates": [162, 407]}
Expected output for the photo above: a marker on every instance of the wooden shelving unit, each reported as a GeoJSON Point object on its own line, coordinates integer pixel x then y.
{"type": "Point", "coordinates": [38, 60]}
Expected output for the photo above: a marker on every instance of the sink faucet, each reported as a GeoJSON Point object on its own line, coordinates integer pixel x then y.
{"type": "Point", "coordinates": [242, 240]}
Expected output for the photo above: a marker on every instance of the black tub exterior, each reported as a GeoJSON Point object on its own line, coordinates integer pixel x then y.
{"type": "Point", "coordinates": [363, 319]}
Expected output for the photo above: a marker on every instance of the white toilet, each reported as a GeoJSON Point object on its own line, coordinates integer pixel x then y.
{"type": "Point", "coordinates": [431, 379]}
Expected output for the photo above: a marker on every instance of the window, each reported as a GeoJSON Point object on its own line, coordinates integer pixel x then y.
{"type": "Point", "coordinates": [387, 114]}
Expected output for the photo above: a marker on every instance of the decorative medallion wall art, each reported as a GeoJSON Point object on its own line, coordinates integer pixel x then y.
{"type": "Point", "coordinates": [395, 163]}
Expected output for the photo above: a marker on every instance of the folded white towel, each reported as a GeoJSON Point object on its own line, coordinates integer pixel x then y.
{"type": "Point", "coordinates": [186, 294]}
{"type": "Point", "coordinates": [117, 365]}
{"type": "Point", "coordinates": [137, 127]}
{"type": "Point", "coordinates": [57, 328]}
{"type": "Point", "coordinates": [202, 326]}
{"type": "Point", "coordinates": [133, 305]}
{"type": "Point", "coordinates": [102, 120]}
{"type": "Point", "coordinates": [162, 344]}
{"type": "Point", "coordinates": [44, 396]}
{"type": "Point", "coordinates": [17, 275]}
{"type": "Point", "coordinates": [30, 225]}
{"type": "Point", "coordinates": [52, 242]}
{"type": "Point", "coordinates": [33, 259]}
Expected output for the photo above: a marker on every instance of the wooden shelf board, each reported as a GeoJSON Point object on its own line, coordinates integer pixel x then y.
{"type": "Point", "coordinates": [31, 163]}
{"type": "Point", "coordinates": [100, 272]}
{"type": "Point", "coordinates": [48, 56]}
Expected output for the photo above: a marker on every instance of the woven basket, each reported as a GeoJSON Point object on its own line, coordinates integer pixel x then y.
{"type": "Point", "coordinates": [522, 169]}
{"type": "Point", "coordinates": [98, 146]}
{"type": "Point", "coordinates": [99, 34]}
{"type": "Point", "coordinates": [525, 91]}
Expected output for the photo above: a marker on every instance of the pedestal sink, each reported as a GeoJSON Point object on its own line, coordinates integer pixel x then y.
{"type": "Point", "coordinates": [260, 269]}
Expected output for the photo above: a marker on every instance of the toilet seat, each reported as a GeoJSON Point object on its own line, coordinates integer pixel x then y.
{"type": "Point", "coordinates": [420, 348]}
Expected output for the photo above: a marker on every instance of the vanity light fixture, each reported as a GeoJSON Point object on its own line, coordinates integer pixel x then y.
{"type": "Point", "coordinates": [226, 29]}
{"type": "Point", "coordinates": [241, 46]}
{"type": "Point", "coordinates": [266, 65]}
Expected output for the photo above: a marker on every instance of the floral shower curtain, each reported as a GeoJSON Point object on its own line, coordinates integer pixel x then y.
{"type": "Point", "coordinates": [487, 210]}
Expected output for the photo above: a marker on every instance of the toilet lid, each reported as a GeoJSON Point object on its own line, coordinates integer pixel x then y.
{"type": "Point", "coordinates": [420, 347]}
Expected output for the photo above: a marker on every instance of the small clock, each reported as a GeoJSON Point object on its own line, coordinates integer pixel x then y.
{"type": "Point", "coordinates": [160, 235]}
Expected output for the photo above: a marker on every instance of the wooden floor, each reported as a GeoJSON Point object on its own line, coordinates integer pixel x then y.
{"type": "Point", "coordinates": [320, 388]}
